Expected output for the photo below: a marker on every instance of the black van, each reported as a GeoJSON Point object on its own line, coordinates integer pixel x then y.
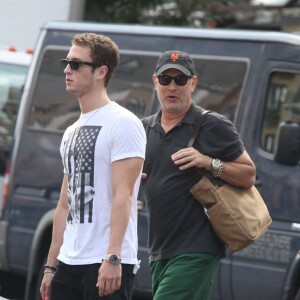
{"type": "Point", "coordinates": [251, 77]}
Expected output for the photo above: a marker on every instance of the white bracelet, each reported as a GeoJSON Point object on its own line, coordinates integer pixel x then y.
{"type": "Point", "coordinates": [49, 272]}
{"type": "Point", "coordinates": [220, 170]}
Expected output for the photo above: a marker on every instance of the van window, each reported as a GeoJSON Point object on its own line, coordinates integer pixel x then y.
{"type": "Point", "coordinates": [12, 79]}
{"type": "Point", "coordinates": [283, 104]}
{"type": "Point", "coordinates": [131, 85]}
{"type": "Point", "coordinates": [55, 109]}
{"type": "Point", "coordinates": [220, 84]}
{"type": "Point", "coordinates": [219, 87]}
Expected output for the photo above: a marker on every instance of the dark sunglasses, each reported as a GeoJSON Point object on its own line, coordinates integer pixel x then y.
{"type": "Point", "coordinates": [180, 80]}
{"type": "Point", "coordinates": [75, 64]}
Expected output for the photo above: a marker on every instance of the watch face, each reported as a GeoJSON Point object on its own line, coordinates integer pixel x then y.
{"type": "Point", "coordinates": [114, 259]}
{"type": "Point", "coordinates": [215, 164]}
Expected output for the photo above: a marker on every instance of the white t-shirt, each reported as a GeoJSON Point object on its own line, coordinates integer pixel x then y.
{"type": "Point", "coordinates": [88, 148]}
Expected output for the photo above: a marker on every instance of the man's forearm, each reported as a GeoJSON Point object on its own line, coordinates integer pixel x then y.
{"type": "Point", "coordinates": [118, 222]}
{"type": "Point", "coordinates": [59, 224]}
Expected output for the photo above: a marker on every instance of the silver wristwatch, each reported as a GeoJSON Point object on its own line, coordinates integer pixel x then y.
{"type": "Point", "coordinates": [114, 259]}
{"type": "Point", "coordinates": [216, 167]}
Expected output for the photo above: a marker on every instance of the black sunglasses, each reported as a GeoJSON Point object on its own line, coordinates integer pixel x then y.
{"type": "Point", "coordinates": [180, 80]}
{"type": "Point", "coordinates": [75, 64]}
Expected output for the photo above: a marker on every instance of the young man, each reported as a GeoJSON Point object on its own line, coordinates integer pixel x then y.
{"type": "Point", "coordinates": [184, 250]}
{"type": "Point", "coordinates": [94, 244]}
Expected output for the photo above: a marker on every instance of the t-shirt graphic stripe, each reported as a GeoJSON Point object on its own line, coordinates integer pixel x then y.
{"type": "Point", "coordinates": [81, 204]}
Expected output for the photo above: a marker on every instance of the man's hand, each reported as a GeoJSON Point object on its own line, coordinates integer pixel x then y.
{"type": "Point", "coordinates": [45, 286]}
{"type": "Point", "coordinates": [190, 157]}
{"type": "Point", "coordinates": [109, 278]}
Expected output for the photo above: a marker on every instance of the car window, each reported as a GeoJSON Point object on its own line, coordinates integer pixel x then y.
{"type": "Point", "coordinates": [52, 108]}
{"type": "Point", "coordinates": [55, 109]}
{"type": "Point", "coordinates": [132, 85]}
{"type": "Point", "coordinates": [12, 79]}
{"type": "Point", "coordinates": [283, 104]}
{"type": "Point", "coordinates": [220, 83]}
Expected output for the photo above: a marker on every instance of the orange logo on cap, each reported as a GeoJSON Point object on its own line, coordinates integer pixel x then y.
{"type": "Point", "coordinates": [174, 56]}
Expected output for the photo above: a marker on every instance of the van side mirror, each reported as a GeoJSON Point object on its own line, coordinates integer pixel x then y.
{"type": "Point", "coordinates": [287, 145]}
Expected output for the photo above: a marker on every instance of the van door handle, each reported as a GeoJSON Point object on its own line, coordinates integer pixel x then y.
{"type": "Point", "coordinates": [295, 226]}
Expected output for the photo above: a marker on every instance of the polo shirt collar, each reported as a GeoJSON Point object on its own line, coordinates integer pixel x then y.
{"type": "Point", "coordinates": [189, 118]}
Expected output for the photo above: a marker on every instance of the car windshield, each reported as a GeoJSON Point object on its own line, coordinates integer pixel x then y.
{"type": "Point", "coordinates": [12, 79]}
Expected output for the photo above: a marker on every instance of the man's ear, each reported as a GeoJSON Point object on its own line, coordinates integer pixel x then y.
{"type": "Point", "coordinates": [194, 83]}
{"type": "Point", "coordinates": [154, 80]}
{"type": "Point", "coordinates": [102, 71]}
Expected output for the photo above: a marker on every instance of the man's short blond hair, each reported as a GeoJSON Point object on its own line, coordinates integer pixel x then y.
{"type": "Point", "coordinates": [104, 50]}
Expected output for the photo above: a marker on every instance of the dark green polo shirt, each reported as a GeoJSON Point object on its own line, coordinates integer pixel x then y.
{"type": "Point", "coordinates": [177, 222]}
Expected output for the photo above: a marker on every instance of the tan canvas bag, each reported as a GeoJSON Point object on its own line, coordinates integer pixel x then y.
{"type": "Point", "coordinates": [238, 216]}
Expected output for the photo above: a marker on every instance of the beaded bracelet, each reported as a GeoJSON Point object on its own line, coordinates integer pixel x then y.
{"type": "Point", "coordinates": [50, 268]}
{"type": "Point", "coordinates": [51, 272]}
{"type": "Point", "coordinates": [220, 170]}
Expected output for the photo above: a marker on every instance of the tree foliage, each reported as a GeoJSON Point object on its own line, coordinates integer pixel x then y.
{"type": "Point", "coordinates": [117, 11]}
{"type": "Point", "coordinates": [164, 12]}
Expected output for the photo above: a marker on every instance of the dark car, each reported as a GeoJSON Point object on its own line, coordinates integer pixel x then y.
{"type": "Point", "coordinates": [251, 77]}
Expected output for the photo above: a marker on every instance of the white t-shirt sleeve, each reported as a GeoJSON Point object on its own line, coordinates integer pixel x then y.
{"type": "Point", "coordinates": [128, 139]}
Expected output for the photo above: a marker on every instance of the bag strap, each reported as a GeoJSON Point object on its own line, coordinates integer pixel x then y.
{"type": "Point", "coordinates": [198, 123]}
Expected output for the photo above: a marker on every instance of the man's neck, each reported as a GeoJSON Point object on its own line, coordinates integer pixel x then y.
{"type": "Point", "coordinates": [169, 120]}
{"type": "Point", "coordinates": [91, 102]}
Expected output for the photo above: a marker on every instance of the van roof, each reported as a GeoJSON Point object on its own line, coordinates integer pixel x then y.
{"type": "Point", "coordinates": [15, 58]}
{"type": "Point", "coordinates": [225, 34]}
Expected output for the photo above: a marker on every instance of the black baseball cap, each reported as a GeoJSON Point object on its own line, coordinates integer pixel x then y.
{"type": "Point", "coordinates": [174, 59]}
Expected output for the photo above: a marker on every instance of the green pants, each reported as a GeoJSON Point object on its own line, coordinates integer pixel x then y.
{"type": "Point", "coordinates": [184, 277]}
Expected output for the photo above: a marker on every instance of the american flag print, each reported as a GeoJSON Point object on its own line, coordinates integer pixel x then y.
{"type": "Point", "coordinates": [79, 163]}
